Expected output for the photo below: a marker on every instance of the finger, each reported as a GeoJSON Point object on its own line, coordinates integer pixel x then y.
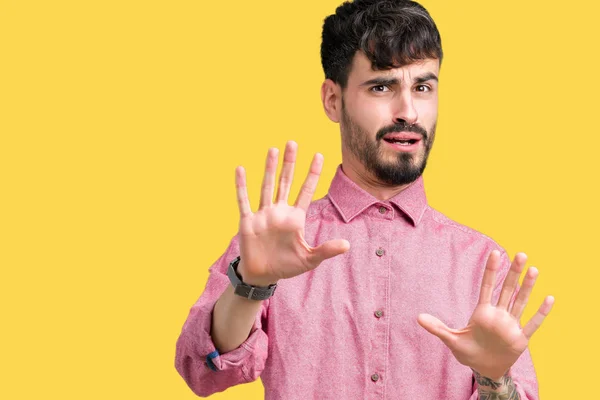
{"type": "Point", "coordinates": [512, 280]}
{"type": "Point", "coordinates": [536, 321]}
{"type": "Point", "coordinates": [287, 171]}
{"type": "Point", "coordinates": [310, 184]}
{"type": "Point", "coordinates": [437, 328]}
{"type": "Point", "coordinates": [266, 195]}
{"type": "Point", "coordinates": [242, 192]}
{"type": "Point", "coordinates": [327, 250]}
{"type": "Point", "coordinates": [489, 277]}
{"type": "Point", "coordinates": [524, 292]}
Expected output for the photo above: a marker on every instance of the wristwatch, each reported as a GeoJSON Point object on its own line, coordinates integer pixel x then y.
{"type": "Point", "coordinates": [248, 291]}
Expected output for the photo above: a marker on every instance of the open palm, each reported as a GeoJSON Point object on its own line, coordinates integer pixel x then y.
{"type": "Point", "coordinates": [272, 244]}
{"type": "Point", "coordinates": [493, 339]}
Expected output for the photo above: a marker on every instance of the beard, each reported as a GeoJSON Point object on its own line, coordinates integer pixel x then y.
{"type": "Point", "coordinates": [405, 168]}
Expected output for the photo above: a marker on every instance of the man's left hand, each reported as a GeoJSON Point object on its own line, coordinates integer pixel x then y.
{"type": "Point", "coordinates": [493, 340]}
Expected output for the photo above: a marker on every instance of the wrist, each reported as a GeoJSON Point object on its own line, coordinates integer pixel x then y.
{"type": "Point", "coordinates": [243, 289]}
{"type": "Point", "coordinates": [506, 390]}
{"type": "Point", "coordinates": [492, 383]}
{"type": "Point", "coordinates": [249, 279]}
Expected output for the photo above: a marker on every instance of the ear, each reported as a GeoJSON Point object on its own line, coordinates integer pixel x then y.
{"type": "Point", "coordinates": [331, 96]}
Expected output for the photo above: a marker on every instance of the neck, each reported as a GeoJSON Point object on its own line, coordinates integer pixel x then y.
{"type": "Point", "coordinates": [367, 182]}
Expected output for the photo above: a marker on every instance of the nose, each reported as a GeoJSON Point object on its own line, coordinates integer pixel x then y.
{"type": "Point", "coordinates": [404, 109]}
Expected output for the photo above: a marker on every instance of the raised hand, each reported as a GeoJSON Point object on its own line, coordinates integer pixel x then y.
{"type": "Point", "coordinates": [272, 244]}
{"type": "Point", "coordinates": [493, 340]}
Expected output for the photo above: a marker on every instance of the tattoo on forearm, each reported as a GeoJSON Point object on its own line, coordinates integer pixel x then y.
{"type": "Point", "coordinates": [485, 381]}
{"type": "Point", "coordinates": [489, 389]}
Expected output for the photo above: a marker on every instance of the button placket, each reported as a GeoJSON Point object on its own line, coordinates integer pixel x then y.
{"type": "Point", "coordinates": [381, 237]}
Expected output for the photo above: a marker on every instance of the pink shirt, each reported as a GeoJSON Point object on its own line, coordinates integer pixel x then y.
{"type": "Point", "coordinates": [348, 329]}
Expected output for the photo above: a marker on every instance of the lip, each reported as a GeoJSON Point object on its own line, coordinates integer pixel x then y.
{"type": "Point", "coordinates": [407, 148]}
{"type": "Point", "coordinates": [404, 136]}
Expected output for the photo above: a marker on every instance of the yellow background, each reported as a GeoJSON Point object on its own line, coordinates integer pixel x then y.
{"type": "Point", "coordinates": [122, 122]}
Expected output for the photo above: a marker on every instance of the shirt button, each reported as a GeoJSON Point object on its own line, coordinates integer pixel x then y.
{"type": "Point", "coordinates": [379, 313]}
{"type": "Point", "coordinates": [375, 377]}
{"type": "Point", "coordinates": [380, 252]}
{"type": "Point", "coordinates": [382, 210]}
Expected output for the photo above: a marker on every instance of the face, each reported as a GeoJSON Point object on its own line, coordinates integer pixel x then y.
{"type": "Point", "coordinates": [388, 119]}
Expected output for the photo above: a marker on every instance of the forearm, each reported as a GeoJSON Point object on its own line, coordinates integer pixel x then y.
{"type": "Point", "coordinates": [232, 320]}
{"type": "Point", "coordinates": [503, 389]}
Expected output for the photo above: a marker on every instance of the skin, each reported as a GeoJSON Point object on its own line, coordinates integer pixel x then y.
{"type": "Point", "coordinates": [272, 245]}
{"type": "Point", "coordinates": [373, 106]}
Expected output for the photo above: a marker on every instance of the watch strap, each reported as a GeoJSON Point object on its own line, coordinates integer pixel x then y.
{"type": "Point", "coordinates": [244, 290]}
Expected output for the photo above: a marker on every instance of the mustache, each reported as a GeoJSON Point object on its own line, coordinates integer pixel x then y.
{"type": "Point", "coordinates": [402, 127]}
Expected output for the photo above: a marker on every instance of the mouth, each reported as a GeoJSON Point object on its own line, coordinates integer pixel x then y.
{"type": "Point", "coordinates": [406, 140]}
{"type": "Point", "coordinates": [402, 142]}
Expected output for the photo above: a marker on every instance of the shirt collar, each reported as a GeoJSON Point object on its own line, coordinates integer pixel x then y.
{"type": "Point", "coordinates": [350, 200]}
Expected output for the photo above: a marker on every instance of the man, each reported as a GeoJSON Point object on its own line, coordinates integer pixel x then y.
{"type": "Point", "coordinates": [354, 317]}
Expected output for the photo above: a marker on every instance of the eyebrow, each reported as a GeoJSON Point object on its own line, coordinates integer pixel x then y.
{"type": "Point", "coordinates": [430, 76]}
{"type": "Point", "coordinates": [380, 81]}
{"type": "Point", "coordinates": [384, 81]}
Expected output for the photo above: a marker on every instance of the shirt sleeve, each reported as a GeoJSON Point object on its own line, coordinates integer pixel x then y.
{"type": "Point", "coordinates": [522, 372]}
{"type": "Point", "coordinates": [197, 359]}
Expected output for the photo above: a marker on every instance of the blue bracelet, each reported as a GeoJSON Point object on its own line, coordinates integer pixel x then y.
{"type": "Point", "coordinates": [209, 360]}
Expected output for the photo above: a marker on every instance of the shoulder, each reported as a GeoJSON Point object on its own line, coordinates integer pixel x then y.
{"type": "Point", "coordinates": [445, 225]}
{"type": "Point", "coordinates": [468, 241]}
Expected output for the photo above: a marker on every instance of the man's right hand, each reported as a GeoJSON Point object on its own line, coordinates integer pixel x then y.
{"type": "Point", "coordinates": [271, 240]}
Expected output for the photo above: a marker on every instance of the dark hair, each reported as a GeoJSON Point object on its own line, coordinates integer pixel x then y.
{"type": "Point", "coordinates": [391, 33]}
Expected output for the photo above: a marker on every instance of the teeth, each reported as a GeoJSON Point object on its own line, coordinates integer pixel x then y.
{"type": "Point", "coordinates": [402, 142]}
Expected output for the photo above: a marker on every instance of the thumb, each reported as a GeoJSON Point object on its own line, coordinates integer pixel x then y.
{"type": "Point", "coordinates": [436, 327]}
{"type": "Point", "coordinates": [327, 250]}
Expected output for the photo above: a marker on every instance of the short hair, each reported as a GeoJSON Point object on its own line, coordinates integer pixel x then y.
{"type": "Point", "coordinates": [391, 33]}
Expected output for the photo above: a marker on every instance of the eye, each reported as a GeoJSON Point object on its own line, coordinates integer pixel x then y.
{"type": "Point", "coordinates": [380, 89]}
{"type": "Point", "coordinates": [423, 88]}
